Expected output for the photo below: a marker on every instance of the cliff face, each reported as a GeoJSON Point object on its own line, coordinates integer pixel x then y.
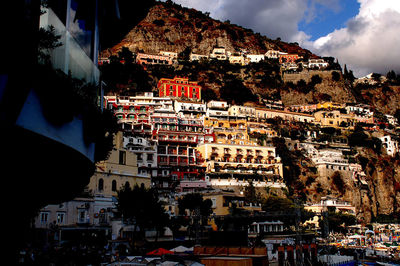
{"type": "Point", "coordinates": [170, 27]}
{"type": "Point", "coordinates": [380, 196]}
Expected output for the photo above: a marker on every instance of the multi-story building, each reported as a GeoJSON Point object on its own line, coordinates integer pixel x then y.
{"type": "Point", "coordinates": [173, 55]}
{"type": "Point", "coordinates": [328, 161]}
{"type": "Point", "coordinates": [120, 169]}
{"type": "Point", "coordinates": [325, 203]}
{"type": "Point", "coordinates": [150, 59]}
{"type": "Point", "coordinates": [223, 201]}
{"type": "Point", "coordinates": [146, 153]}
{"type": "Point", "coordinates": [329, 118]}
{"type": "Point", "coordinates": [197, 57]}
{"type": "Point", "coordinates": [177, 137]}
{"type": "Point", "coordinates": [237, 59]}
{"type": "Point", "coordinates": [391, 145]}
{"type": "Point", "coordinates": [359, 108]}
{"type": "Point", "coordinates": [316, 63]}
{"type": "Point", "coordinates": [255, 58]}
{"type": "Point", "coordinates": [238, 110]}
{"type": "Point", "coordinates": [67, 219]}
{"type": "Point", "coordinates": [135, 111]}
{"type": "Point", "coordinates": [219, 53]}
{"type": "Point", "coordinates": [93, 210]}
{"type": "Point", "coordinates": [288, 58]}
{"type": "Point", "coordinates": [195, 109]}
{"type": "Point", "coordinates": [261, 128]}
{"type": "Point", "coordinates": [217, 109]}
{"type": "Point", "coordinates": [179, 88]}
{"type": "Point", "coordinates": [252, 159]}
{"type": "Point", "coordinates": [273, 54]}
{"type": "Point", "coordinates": [307, 108]}
{"type": "Point", "coordinates": [263, 113]}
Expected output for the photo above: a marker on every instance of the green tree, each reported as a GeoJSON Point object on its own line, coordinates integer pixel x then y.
{"type": "Point", "coordinates": [335, 76]}
{"type": "Point", "coordinates": [234, 91]}
{"type": "Point", "coordinates": [185, 54]}
{"type": "Point", "coordinates": [142, 208]}
{"type": "Point", "coordinates": [338, 221]}
{"type": "Point", "coordinates": [250, 193]}
{"type": "Point", "coordinates": [194, 201]}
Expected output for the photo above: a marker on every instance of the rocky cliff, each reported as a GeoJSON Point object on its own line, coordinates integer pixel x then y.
{"type": "Point", "coordinates": [170, 27]}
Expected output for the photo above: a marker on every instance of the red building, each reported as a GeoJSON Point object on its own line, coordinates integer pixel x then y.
{"type": "Point", "coordinates": [179, 88]}
{"type": "Point", "coordinates": [288, 58]}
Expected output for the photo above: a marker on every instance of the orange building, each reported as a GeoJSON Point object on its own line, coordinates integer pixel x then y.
{"type": "Point", "coordinates": [288, 58]}
{"type": "Point", "coordinates": [179, 88]}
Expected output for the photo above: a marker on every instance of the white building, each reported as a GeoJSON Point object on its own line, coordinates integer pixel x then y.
{"type": "Point", "coordinates": [233, 182]}
{"type": "Point", "coordinates": [237, 59]}
{"type": "Point", "coordinates": [255, 58]}
{"type": "Point", "coordinates": [391, 146]}
{"type": "Point", "coordinates": [197, 109]}
{"type": "Point", "coordinates": [89, 213]}
{"type": "Point", "coordinates": [173, 55]}
{"type": "Point", "coordinates": [219, 53]}
{"type": "Point", "coordinates": [330, 159]}
{"type": "Point", "coordinates": [240, 110]}
{"type": "Point", "coordinates": [146, 152]}
{"type": "Point", "coordinates": [391, 120]}
{"type": "Point", "coordinates": [359, 108]}
{"type": "Point", "coordinates": [217, 109]}
{"type": "Point", "coordinates": [316, 63]}
{"type": "Point", "coordinates": [273, 54]}
{"type": "Point", "coordinates": [197, 57]}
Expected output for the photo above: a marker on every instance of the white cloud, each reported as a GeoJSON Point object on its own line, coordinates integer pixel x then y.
{"type": "Point", "coordinates": [273, 18]}
{"type": "Point", "coordinates": [369, 42]}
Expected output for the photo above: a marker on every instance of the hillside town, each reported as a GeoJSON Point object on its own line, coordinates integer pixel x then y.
{"type": "Point", "coordinates": [172, 141]}
{"type": "Point", "coordinates": [157, 168]}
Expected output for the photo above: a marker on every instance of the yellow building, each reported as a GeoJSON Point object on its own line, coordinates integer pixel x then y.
{"type": "Point", "coordinates": [329, 118]}
{"type": "Point", "coordinates": [240, 110]}
{"type": "Point", "coordinates": [222, 201]}
{"type": "Point", "coordinates": [231, 131]}
{"type": "Point", "coordinates": [121, 168]}
{"type": "Point", "coordinates": [329, 105]}
{"type": "Point", "coordinates": [265, 113]}
{"type": "Point", "coordinates": [261, 128]}
{"type": "Point", "coordinates": [221, 157]}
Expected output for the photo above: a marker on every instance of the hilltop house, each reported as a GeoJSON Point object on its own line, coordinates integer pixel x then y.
{"type": "Point", "coordinates": [179, 88]}
{"type": "Point", "coordinates": [391, 145]}
{"type": "Point", "coordinates": [316, 63]}
{"type": "Point", "coordinates": [149, 59]}
{"type": "Point", "coordinates": [219, 53]}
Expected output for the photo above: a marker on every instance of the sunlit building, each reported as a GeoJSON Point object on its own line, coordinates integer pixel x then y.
{"type": "Point", "coordinates": [179, 88]}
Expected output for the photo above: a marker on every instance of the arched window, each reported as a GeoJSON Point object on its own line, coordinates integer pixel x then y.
{"type": "Point", "coordinates": [114, 185]}
{"type": "Point", "coordinates": [127, 184]}
{"type": "Point", "coordinates": [101, 184]}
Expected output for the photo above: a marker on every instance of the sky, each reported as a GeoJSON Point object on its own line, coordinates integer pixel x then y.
{"type": "Point", "coordinates": [363, 34]}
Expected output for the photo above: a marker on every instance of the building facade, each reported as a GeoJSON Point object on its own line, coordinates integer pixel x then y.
{"type": "Point", "coordinates": [179, 88]}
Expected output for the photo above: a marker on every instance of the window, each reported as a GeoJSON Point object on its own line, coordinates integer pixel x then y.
{"type": "Point", "coordinates": [60, 218]}
{"type": "Point", "coordinates": [44, 216]}
{"type": "Point", "coordinates": [101, 184]}
{"type": "Point", "coordinates": [82, 216]}
{"type": "Point", "coordinates": [114, 185]}
{"type": "Point", "coordinates": [214, 202]}
{"type": "Point", "coordinates": [122, 157]}
{"type": "Point", "coordinates": [149, 157]}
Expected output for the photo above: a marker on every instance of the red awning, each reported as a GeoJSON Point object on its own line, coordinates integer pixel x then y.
{"type": "Point", "coordinates": [159, 252]}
